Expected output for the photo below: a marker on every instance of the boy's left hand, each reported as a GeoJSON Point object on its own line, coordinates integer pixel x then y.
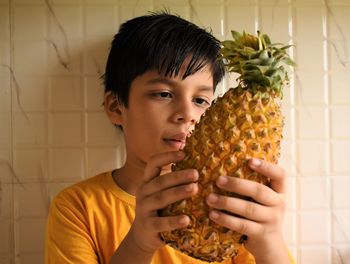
{"type": "Point", "coordinates": [262, 218]}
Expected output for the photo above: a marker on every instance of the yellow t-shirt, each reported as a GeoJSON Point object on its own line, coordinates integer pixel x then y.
{"type": "Point", "coordinates": [88, 221]}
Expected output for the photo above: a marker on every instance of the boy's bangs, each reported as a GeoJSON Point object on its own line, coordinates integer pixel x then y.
{"type": "Point", "coordinates": [192, 50]}
{"type": "Point", "coordinates": [171, 65]}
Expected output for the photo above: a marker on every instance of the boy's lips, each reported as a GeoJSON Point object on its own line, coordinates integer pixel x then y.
{"type": "Point", "coordinates": [176, 141]}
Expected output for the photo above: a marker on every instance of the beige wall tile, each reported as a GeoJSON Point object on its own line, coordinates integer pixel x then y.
{"type": "Point", "coordinates": [6, 202]}
{"type": "Point", "coordinates": [6, 171]}
{"type": "Point", "coordinates": [313, 193]}
{"type": "Point", "coordinates": [340, 192]}
{"type": "Point", "coordinates": [313, 122]}
{"type": "Point", "coordinates": [314, 227]}
{"type": "Point", "coordinates": [31, 200]}
{"type": "Point", "coordinates": [319, 254]}
{"type": "Point", "coordinates": [340, 122]}
{"type": "Point", "coordinates": [340, 156]}
{"type": "Point", "coordinates": [94, 91]}
{"type": "Point", "coordinates": [340, 221]}
{"type": "Point", "coordinates": [30, 235]}
{"type": "Point", "coordinates": [103, 159]}
{"type": "Point", "coordinates": [101, 20]}
{"type": "Point", "coordinates": [29, 22]}
{"type": "Point", "coordinates": [66, 129]}
{"type": "Point", "coordinates": [239, 18]}
{"type": "Point", "coordinates": [67, 164]}
{"type": "Point", "coordinates": [31, 165]}
{"type": "Point", "coordinates": [339, 91]}
{"type": "Point", "coordinates": [97, 122]}
{"type": "Point", "coordinates": [6, 241]}
{"type": "Point", "coordinates": [36, 126]}
{"type": "Point", "coordinates": [95, 56]}
{"type": "Point", "coordinates": [66, 93]}
{"type": "Point", "coordinates": [313, 157]}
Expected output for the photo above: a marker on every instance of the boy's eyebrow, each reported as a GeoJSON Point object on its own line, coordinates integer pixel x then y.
{"type": "Point", "coordinates": [174, 83]}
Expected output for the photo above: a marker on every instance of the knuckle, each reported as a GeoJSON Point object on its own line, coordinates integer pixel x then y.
{"type": "Point", "coordinates": [249, 209]}
{"type": "Point", "coordinates": [242, 227]}
{"type": "Point", "coordinates": [259, 192]}
{"type": "Point", "coordinates": [161, 182]}
{"type": "Point", "coordinates": [159, 196]}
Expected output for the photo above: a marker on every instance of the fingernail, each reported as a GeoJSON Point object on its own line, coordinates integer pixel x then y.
{"type": "Point", "coordinates": [255, 162]}
{"type": "Point", "coordinates": [214, 215]}
{"type": "Point", "coordinates": [183, 220]}
{"type": "Point", "coordinates": [193, 175]}
{"type": "Point", "coordinates": [189, 187]}
{"type": "Point", "coordinates": [222, 180]}
{"type": "Point", "coordinates": [212, 198]}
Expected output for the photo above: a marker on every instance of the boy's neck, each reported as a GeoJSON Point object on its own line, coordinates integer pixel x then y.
{"type": "Point", "coordinates": [128, 178]}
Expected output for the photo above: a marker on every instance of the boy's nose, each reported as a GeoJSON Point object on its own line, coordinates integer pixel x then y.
{"type": "Point", "coordinates": [185, 120]}
{"type": "Point", "coordinates": [185, 114]}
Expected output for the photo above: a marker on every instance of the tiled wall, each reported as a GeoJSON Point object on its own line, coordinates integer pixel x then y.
{"type": "Point", "coordinates": [53, 131]}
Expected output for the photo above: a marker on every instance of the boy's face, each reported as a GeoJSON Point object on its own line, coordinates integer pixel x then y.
{"type": "Point", "coordinates": [163, 110]}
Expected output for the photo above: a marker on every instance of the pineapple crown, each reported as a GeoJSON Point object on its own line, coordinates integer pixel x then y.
{"type": "Point", "coordinates": [259, 63]}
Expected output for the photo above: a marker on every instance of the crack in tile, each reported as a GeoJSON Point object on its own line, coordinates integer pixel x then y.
{"type": "Point", "coordinates": [342, 231]}
{"type": "Point", "coordinates": [43, 188]}
{"type": "Point", "coordinates": [18, 92]}
{"type": "Point", "coordinates": [332, 17]}
{"type": "Point", "coordinates": [97, 66]}
{"type": "Point", "coordinates": [64, 62]}
{"type": "Point", "coordinates": [12, 172]}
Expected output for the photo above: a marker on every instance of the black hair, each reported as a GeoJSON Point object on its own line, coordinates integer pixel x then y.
{"type": "Point", "coordinates": [159, 41]}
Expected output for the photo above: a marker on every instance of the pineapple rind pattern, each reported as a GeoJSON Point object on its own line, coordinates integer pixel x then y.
{"type": "Point", "coordinates": [215, 150]}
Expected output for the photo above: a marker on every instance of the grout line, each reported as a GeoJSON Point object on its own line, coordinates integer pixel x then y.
{"type": "Point", "coordinates": [83, 89]}
{"type": "Point", "coordinates": [293, 120]}
{"type": "Point", "coordinates": [257, 14]}
{"type": "Point", "coordinates": [327, 88]}
{"type": "Point", "coordinates": [14, 240]}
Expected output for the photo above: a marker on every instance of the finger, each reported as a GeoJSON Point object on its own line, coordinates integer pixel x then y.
{"type": "Point", "coordinates": [259, 192]}
{"type": "Point", "coordinates": [156, 162]}
{"type": "Point", "coordinates": [247, 209]}
{"type": "Point", "coordinates": [240, 225]}
{"type": "Point", "coordinates": [168, 223]}
{"type": "Point", "coordinates": [169, 180]}
{"type": "Point", "coordinates": [165, 197]}
{"type": "Point", "coordinates": [272, 171]}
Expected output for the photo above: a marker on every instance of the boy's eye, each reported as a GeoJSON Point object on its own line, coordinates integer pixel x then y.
{"type": "Point", "coordinates": [201, 101]}
{"type": "Point", "coordinates": [162, 95]}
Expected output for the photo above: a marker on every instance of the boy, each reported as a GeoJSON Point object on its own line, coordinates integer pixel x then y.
{"type": "Point", "coordinates": [160, 77]}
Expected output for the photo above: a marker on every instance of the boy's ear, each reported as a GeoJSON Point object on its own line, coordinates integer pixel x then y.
{"type": "Point", "coordinates": [113, 108]}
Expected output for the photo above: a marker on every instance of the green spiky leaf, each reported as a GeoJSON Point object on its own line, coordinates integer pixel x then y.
{"type": "Point", "coordinates": [261, 64]}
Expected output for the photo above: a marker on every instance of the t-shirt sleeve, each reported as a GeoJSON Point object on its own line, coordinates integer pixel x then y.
{"type": "Point", "coordinates": [68, 239]}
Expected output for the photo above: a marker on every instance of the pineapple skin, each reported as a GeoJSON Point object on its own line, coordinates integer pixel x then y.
{"type": "Point", "coordinates": [237, 126]}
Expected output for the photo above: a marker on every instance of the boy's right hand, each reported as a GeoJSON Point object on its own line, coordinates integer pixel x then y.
{"type": "Point", "coordinates": [156, 192]}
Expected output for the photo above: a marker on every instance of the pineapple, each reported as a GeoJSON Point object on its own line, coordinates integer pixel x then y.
{"type": "Point", "coordinates": [245, 122]}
